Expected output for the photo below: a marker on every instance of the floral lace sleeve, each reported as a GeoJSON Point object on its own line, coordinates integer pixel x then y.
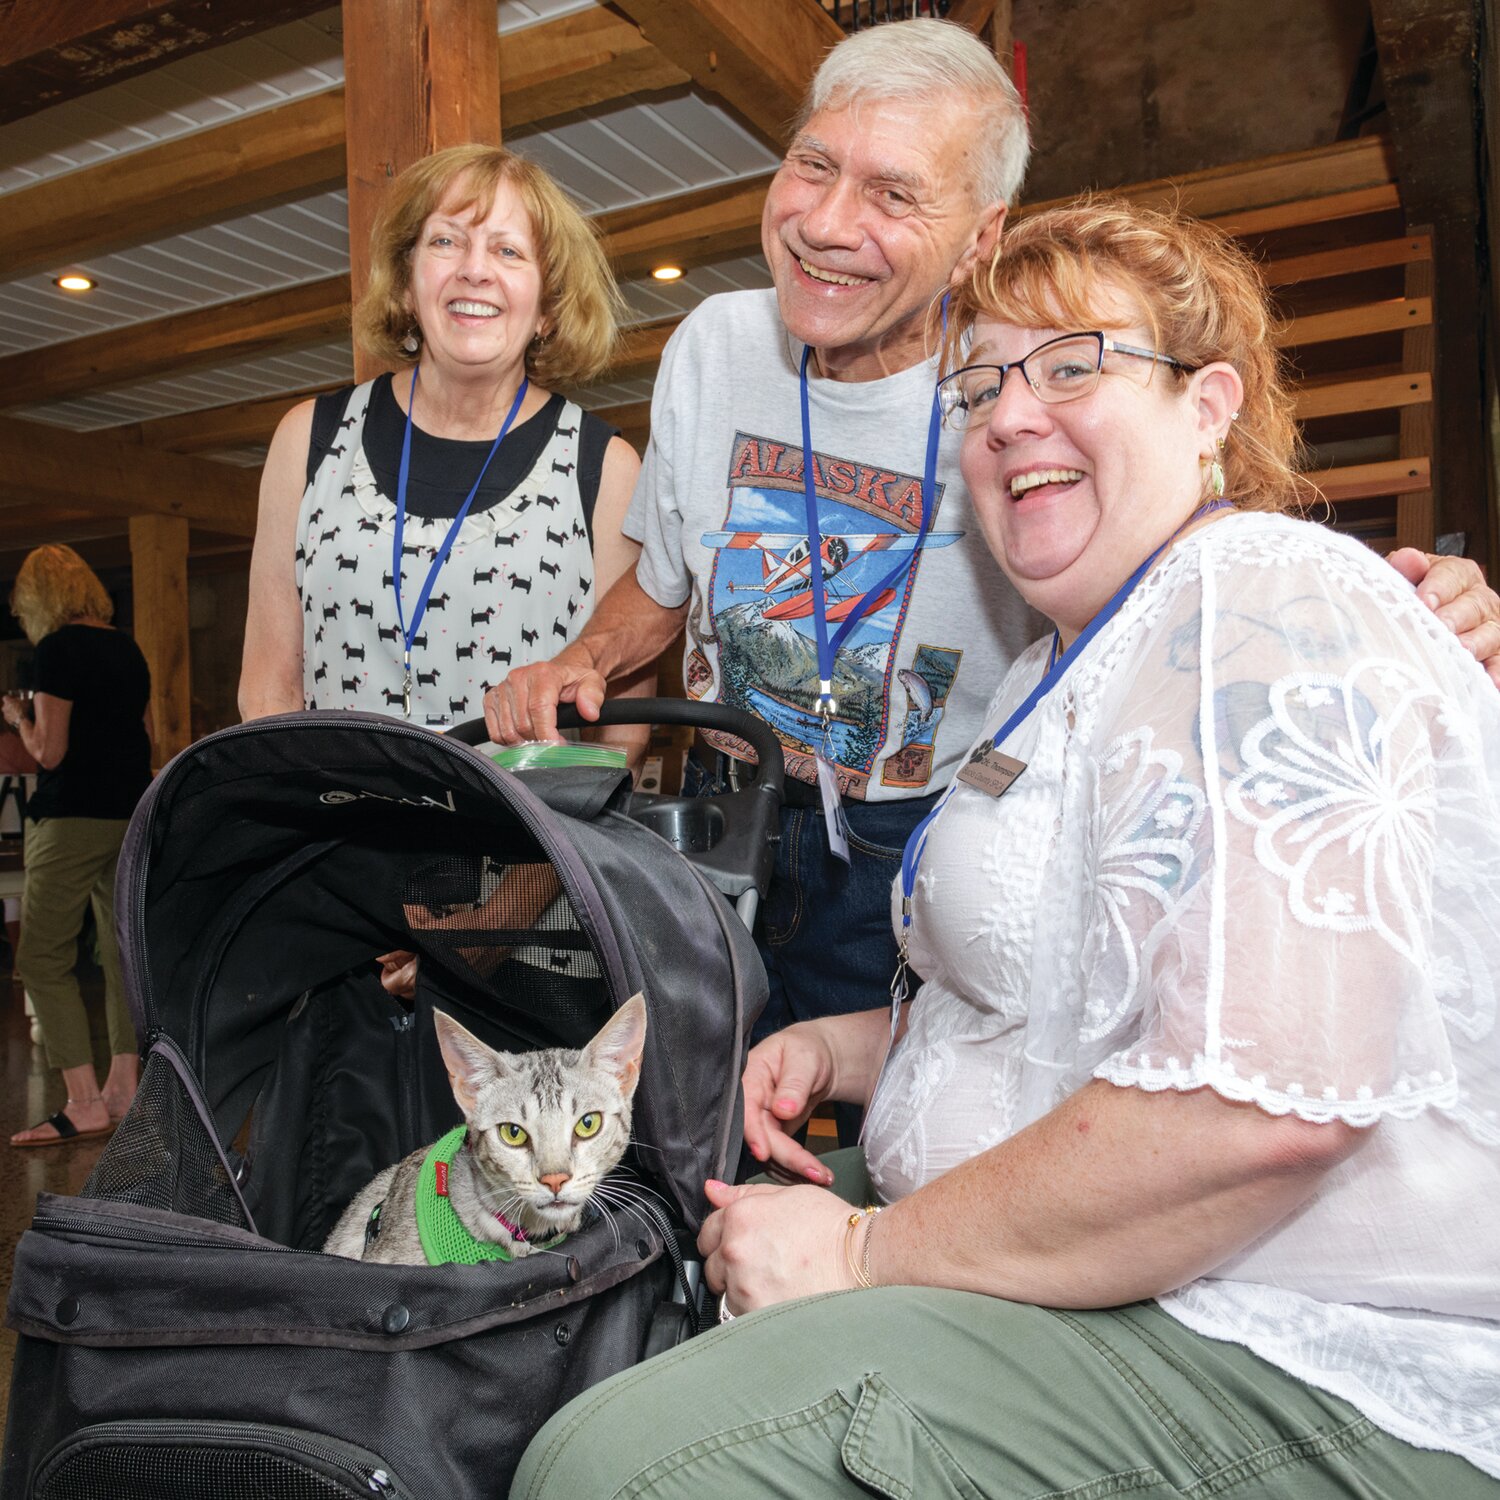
{"type": "Point", "coordinates": [1295, 777]}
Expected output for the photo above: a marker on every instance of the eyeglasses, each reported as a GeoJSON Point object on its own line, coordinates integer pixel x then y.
{"type": "Point", "coordinates": [1062, 369]}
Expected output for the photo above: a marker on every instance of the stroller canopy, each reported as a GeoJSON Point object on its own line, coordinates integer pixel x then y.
{"type": "Point", "coordinates": [270, 860]}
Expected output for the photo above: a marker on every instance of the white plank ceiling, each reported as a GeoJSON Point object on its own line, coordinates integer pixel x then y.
{"type": "Point", "coordinates": [633, 153]}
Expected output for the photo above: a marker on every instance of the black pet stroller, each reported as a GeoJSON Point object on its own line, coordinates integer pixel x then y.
{"type": "Point", "coordinates": [179, 1334]}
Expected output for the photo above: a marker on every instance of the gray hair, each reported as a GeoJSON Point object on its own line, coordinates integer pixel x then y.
{"type": "Point", "coordinates": [927, 59]}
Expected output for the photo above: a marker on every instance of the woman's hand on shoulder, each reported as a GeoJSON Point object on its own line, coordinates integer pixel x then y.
{"type": "Point", "coordinates": [786, 1077]}
{"type": "Point", "coordinates": [1453, 588]}
{"type": "Point", "coordinates": [764, 1245]}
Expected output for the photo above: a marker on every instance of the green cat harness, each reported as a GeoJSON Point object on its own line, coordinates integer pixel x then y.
{"type": "Point", "coordinates": [445, 1240]}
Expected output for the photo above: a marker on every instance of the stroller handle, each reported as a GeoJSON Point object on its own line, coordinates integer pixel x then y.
{"type": "Point", "coordinates": [756, 732]}
{"type": "Point", "coordinates": [731, 838]}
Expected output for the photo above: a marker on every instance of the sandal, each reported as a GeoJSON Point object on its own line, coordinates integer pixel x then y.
{"type": "Point", "coordinates": [66, 1130]}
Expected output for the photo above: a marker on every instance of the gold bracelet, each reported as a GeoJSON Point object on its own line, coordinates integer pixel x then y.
{"type": "Point", "coordinates": [860, 1272]}
{"type": "Point", "coordinates": [869, 1234]}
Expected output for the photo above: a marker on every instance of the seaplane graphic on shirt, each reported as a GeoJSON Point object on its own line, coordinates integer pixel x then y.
{"type": "Point", "coordinates": [786, 567]}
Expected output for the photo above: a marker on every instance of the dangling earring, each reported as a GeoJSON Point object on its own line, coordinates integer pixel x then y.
{"type": "Point", "coordinates": [412, 343]}
{"type": "Point", "coordinates": [1215, 478]}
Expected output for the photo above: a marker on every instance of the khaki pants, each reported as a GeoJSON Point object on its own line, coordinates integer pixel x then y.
{"type": "Point", "coordinates": [70, 864]}
{"type": "Point", "coordinates": [918, 1394]}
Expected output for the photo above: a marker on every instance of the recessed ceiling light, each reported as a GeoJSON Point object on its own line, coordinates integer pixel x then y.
{"type": "Point", "coordinates": [74, 282]}
{"type": "Point", "coordinates": [667, 273]}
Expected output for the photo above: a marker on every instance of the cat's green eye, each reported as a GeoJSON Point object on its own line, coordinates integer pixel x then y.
{"type": "Point", "coordinates": [512, 1134]}
{"type": "Point", "coordinates": [588, 1125]}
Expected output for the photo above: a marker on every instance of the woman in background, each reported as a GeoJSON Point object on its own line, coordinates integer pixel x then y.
{"type": "Point", "coordinates": [88, 728]}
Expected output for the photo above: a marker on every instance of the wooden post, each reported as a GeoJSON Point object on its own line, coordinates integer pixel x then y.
{"type": "Point", "coordinates": [1002, 32]}
{"type": "Point", "coordinates": [158, 571]}
{"type": "Point", "coordinates": [419, 75]}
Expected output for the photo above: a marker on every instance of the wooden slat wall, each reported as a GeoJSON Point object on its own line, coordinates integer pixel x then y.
{"type": "Point", "coordinates": [1359, 330]}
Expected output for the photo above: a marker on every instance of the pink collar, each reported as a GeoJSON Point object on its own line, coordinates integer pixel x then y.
{"type": "Point", "coordinates": [513, 1230]}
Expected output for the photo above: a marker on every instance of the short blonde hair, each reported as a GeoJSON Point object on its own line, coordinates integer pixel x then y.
{"type": "Point", "coordinates": [1198, 292]}
{"type": "Point", "coordinates": [579, 297]}
{"type": "Point", "coordinates": [54, 586]}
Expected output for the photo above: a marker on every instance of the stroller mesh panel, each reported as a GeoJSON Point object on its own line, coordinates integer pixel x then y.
{"type": "Point", "coordinates": [182, 1471]}
{"type": "Point", "coordinates": [511, 927]}
{"type": "Point", "coordinates": [163, 1157]}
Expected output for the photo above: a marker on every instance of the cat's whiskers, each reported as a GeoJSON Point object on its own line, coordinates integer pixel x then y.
{"type": "Point", "coordinates": [618, 1197]}
{"type": "Point", "coordinates": [644, 1146]}
{"type": "Point", "coordinates": [628, 1180]}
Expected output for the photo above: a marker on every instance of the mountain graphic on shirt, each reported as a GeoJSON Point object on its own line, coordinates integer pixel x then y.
{"type": "Point", "coordinates": [760, 657]}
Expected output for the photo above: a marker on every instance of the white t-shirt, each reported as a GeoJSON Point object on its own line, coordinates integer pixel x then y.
{"type": "Point", "coordinates": [1256, 847]}
{"type": "Point", "coordinates": [720, 512]}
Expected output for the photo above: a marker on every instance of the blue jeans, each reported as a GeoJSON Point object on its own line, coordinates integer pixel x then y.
{"type": "Point", "coordinates": [824, 930]}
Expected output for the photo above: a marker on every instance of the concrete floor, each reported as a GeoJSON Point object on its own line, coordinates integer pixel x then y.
{"type": "Point", "coordinates": [30, 1091]}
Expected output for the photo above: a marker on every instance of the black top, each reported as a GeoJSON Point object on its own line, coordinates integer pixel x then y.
{"type": "Point", "coordinates": [108, 765]}
{"type": "Point", "coordinates": [443, 469]}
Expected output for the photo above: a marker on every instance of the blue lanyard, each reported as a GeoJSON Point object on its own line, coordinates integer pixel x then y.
{"type": "Point", "coordinates": [409, 632]}
{"type": "Point", "coordinates": [828, 649]}
{"type": "Point", "coordinates": [916, 845]}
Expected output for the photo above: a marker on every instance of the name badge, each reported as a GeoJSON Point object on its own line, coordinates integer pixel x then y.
{"type": "Point", "coordinates": [991, 771]}
{"type": "Point", "coordinates": [833, 810]}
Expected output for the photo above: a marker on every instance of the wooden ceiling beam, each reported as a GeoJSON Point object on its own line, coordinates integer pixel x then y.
{"type": "Point", "coordinates": [579, 61]}
{"type": "Point", "coordinates": [297, 149]}
{"type": "Point", "coordinates": [318, 311]}
{"type": "Point", "coordinates": [51, 51]}
{"type": "Point", "coordinates": [279, 154]}
{"type": "Point", "coordinates": [1295, 187]}
{"type": "Point", "coordinates": [104, 544]}
{"type": "Point", "coordinates": [692, 229]}
{"type": "Point", "coordinates": [271, 322]}
{"type": "Point", "coordinates": [758, 58]}
{"type": "Point", "coordinates": [52, 467]}
{"type": "Point", "coordinates": [640, 350]}
{"type": "Point", "coordinates": [216, 427]}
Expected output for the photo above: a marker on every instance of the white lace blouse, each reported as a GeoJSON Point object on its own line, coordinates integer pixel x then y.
{"type": "Point", "coordinates": [1256, 847]}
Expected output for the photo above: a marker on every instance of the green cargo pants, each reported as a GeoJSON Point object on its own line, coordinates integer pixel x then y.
{"type": "Point", "coordinates": [70, 864]}
{"type": "Point", "coordinates": [928, 1395]}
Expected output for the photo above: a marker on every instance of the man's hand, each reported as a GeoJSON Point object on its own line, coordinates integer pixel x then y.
{"type": "Point", "coordinates": [764, 1245]}
{"type": "Point", "coordinates": [398, 973]}
{"type": "Point", "coordinates": [1453, 588]}
{"type": "Point", "coordinates": [524, 706]}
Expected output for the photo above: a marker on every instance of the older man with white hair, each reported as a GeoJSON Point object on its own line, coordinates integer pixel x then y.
{"type": "Point", "coordinates": [910, 145]}
{"type": "Point", "coordinates": [875, 664]}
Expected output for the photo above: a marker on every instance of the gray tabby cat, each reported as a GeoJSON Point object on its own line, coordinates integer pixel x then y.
{"type": "Point", "coordinates": [544, 1128]}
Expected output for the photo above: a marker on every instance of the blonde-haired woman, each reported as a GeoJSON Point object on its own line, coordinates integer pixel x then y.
{"type": "Point", "coordinates": [89, 730]}
{"type": "Point", "coordinates": [422, 533]}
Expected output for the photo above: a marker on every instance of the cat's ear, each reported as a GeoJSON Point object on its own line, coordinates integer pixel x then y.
{"type": "Point", "coordinates": [470, 1063]}
{"type": "Point", "coordinates": [620, 1043]}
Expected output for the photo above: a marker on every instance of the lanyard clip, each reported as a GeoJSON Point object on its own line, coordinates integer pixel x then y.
{"type": "Point", "coordinates": [900, 980]}
{"type": "Point", "coordinates": [827, 707]}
